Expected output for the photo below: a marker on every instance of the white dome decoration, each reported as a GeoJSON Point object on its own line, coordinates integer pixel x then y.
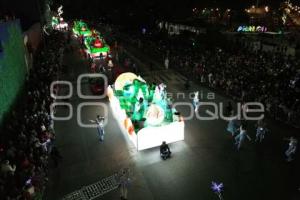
{"type": "Point", "coordinates": [155, 115]}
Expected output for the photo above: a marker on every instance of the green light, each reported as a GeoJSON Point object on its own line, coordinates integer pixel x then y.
{"type": "Point", "coordinates": [89, 41]}
{"type": "Point", "coordinates": [137, 110]}
{"type": "Point", "coordinates": [81, 29]}
{"type": "Point", "coordinates": [54, 21]}
{"type": "Point", "coordinates": [12, 68]}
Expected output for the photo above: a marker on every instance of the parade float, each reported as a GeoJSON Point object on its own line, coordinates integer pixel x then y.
{"type": "Point", "coordinates": [58, 22]}
{"type": "Point", "coordinates": [96, 45]}
{"type": "Point", "coordinates": [144, 112]}
{"type": "Point", "coordinates": [80, 28]}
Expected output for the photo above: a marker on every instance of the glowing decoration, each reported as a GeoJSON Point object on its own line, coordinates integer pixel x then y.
{"type": "Point", "coordinates": [58, 22]}
{"type": "Point", "coordinates": [260, 29]}
{"type": "Point", "coordinates": [144, 112]}
{"type": "Point", "coordinates": [153, 136]}
{"type": "Point", "coordinates": [54, 21]}
{"type": "Point", "coordinates": [60, 11]}
{"type": "Point", "coordinates": [96, 46]}
{"type": "Point", "coordinates": [144, 30]}
{"type": "Point", "coordinates": [217, 188]}
{"type": "Point", "coordinates": [124, 79]}
{"type": "Point", "coordinates": [81, 29]}
{"type": "Point", "coordinates": [155, 115]}
{"type": "Point", "coordinates": [284, 18]}
{"type": "Point", "coordinates": [129, 126]}
{"type": "Point", "coordinates": [98, 43]}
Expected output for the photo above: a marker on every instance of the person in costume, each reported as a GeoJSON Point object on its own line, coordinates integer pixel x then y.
{"type": "Point", "coordinates": [232, 126]}
{"type": "Point", "coordinates": [100, 126]}
{"type": "Point", "coordinates": [139, 109]}
{"type": "Point", "coordinates": [261, 130]}
{"type": "Point", "coordinates": [291, 151]}
{"type": "Point", "coordinates": [240, 138]}
{"type": "Point", "coordinates": [196, 101]}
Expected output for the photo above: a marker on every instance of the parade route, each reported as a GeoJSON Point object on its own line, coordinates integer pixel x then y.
{"type": "Point", "coordinates": [207, 154]}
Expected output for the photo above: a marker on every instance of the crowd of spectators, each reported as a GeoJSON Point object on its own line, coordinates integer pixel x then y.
{"type": "Point", "coordinates": [272, 78]}
{"type": "Point", "coordinates": [27, 138]}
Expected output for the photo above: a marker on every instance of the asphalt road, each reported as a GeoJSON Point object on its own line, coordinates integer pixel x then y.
{"type": "Point", "coordinates": [207, 154]}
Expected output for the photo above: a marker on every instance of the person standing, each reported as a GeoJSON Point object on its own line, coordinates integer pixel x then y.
{"type": "Point", "coordinates": [240, 138]}
{"type": "Point", "coordinates": [124, 182]}
{"type": "Point", "coordinates": [167, 63]}
{"type": "Point", "coordinates": [291, 149]}
{"type": "Point", "coordinates": [260, 134]}
{"type": "Point", "coordinates": [210, 79]}
{"type": "Point", "coordinates": [139, 109]}
{"type": "Point", "coordinates": [232, 126]}
{"type": "Point", "coordinates": [100, 127]}
{"type": "Point", "coordinates": [110, 65]}
{"type": "Point", "coordinates": [196, 101]}
{"type": "Point", "coordinates": [261, 130]}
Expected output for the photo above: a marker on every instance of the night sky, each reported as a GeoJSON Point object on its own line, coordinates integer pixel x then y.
{"type": "Point", "coordinates": [27, 11]}
{"type": "Point", "coordinates": [157, 8]}
{"type": "Point", "coordinates": [123, 10]}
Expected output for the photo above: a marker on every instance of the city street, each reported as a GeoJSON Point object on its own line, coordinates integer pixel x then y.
{"type": "Point", "coordinates": [207, 154]}
{"type": "Point", "coordinates": [149, 100]}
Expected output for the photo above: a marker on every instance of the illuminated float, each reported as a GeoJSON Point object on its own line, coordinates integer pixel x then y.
{"type": "Point", "coordinates": [96, 45]}
{"type": "Point", "coordinates": [144, 112]}
{"type": "Point", "coordinates": [58, 22]}
{"type": "Point", "coordinates": [80, 28]}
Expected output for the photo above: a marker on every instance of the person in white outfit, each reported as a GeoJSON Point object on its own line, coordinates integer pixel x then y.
{"type": "Point", "coordinates": [167, 63]}
{"type": "Point", "coordinates": [196, 101]}
{"type": "Point", "coordinates": [240, 138]}
{"type": "Point", "coordinates": [110, 64]}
